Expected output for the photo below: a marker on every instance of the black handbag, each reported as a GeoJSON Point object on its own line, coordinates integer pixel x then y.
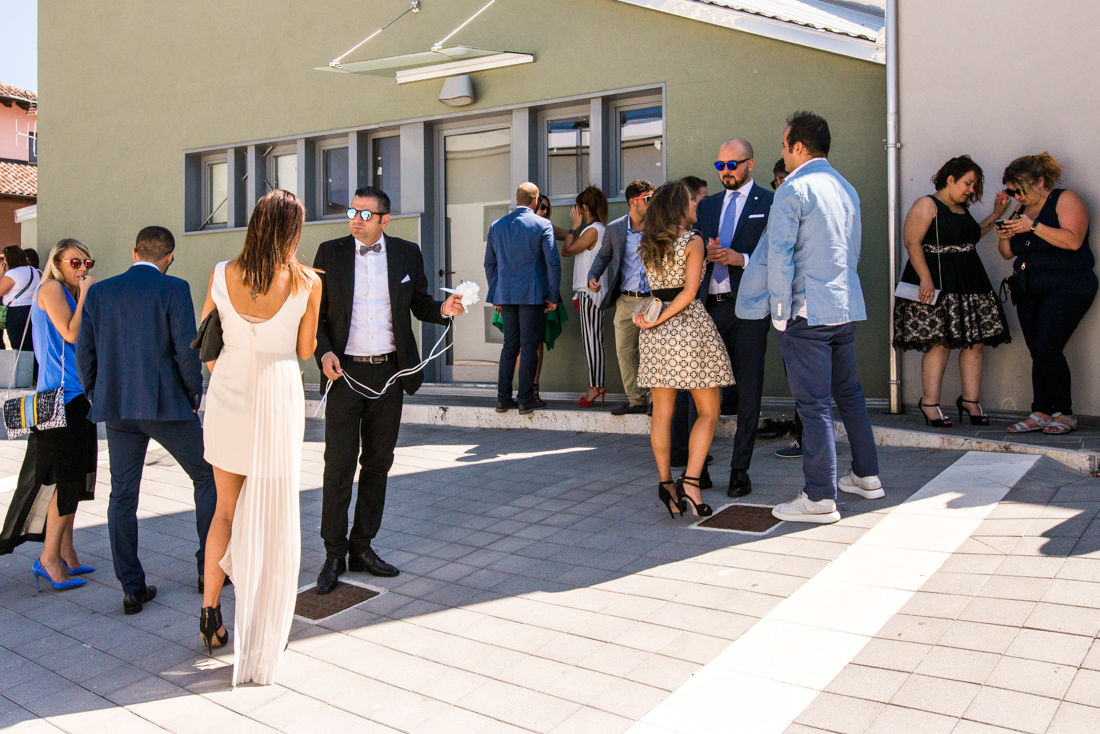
{"type": "Point", "coordinates": [208, 339]}
{"type": "Point", "coordinates": [1016, 285]}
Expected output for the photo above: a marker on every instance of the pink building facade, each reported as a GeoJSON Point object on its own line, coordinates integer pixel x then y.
{"type": "Point", "coordinates": [18, 158]}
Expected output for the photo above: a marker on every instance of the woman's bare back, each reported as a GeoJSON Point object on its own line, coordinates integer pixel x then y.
{"type": "Point", "coordinates": [252, 305]}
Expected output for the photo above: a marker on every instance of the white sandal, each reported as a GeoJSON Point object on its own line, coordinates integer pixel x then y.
{"type": "Point", "coordinates": [1023, 427]}
{"type": "Point", "coordinates": [1056, 427]}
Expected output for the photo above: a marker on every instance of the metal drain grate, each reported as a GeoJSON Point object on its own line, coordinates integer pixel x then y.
{"type": "Point", "coordinates": [756, 519]}
{"type": "Point", "coordinates": [315, 607]}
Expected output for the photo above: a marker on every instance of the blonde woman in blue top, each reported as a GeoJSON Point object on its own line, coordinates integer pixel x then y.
{"type": "Point", "coordinates": [59, 468]}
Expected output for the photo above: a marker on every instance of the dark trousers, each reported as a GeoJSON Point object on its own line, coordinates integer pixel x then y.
{"type": "Point", "coordinates": [127, 443]}
{"type": "Point", "coordinates": [524, 326]}
{"type": "Point", "coordinates": [351, 420]}
{"type": "Point", "coordinates": [746, 342]}
{"type": "Point", "coordinates": [821, 367]}
{"type": "Point", "coordinates": [1048, 321]}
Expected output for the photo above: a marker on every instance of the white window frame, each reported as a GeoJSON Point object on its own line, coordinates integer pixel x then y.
{"type": "Point", "coordinates": [544, 119]}
{"type": "Point", "coordinates": [618, 185]}
{"type": "Point", "coordinates": [322, 147]}
{"type": "Point", "coordinates": [204, 183]}
{"type": "Point", "coordinates": [372, 176]}
{"type": "Point", "coordinates": [269, 165]}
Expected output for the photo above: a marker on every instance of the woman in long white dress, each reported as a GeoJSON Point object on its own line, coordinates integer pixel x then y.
{"type": "Point", "coordinates": [253, 432]}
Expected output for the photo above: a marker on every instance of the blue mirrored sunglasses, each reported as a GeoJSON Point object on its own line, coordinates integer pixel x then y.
{"type": "Point", "coordinates": [364, 214]}
{"type": "Point", "coordinates": [731, 165]}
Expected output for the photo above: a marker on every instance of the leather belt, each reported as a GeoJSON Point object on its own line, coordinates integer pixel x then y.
{"type": "Point", "coordinates": [719, 297]}
{"type": "Point", "coordinates": [637, 294]}
{"type": "Point", "coordinates": [374, 359]}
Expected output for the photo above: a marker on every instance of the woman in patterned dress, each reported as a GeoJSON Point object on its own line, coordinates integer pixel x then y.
{"type": "Point", "coordinates": [681, 350]}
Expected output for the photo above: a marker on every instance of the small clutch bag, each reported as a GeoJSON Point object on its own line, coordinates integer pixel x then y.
{"type": "Point", "coordinates": [911, 292]}
{"type": "Point", "coordinates": [650, 308]}
{"type": "Point", "coordinates": [208, 340]}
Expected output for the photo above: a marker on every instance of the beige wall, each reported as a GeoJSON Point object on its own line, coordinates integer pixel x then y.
{"type": "Point", "coordinates": [970, 85]}
{"type": "Point", "coordinates": [157, 79]}
{"type": "Point", "coordinates": [28, 234]}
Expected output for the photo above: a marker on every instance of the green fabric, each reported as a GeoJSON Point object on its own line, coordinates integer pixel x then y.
{"type": "Point", "coordinates": [554, 320]}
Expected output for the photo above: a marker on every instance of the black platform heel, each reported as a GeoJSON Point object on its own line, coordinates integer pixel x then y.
{"type": "Point", "coordinates": [700, 510]}
{"type": "Point", "coordinates": [209, 623]}
{"type": "Point", "coordinates": [975, 420]}
{"type": "Point", "coordinates": [668, 500]}
{"type": "Point", "coordinates": [941, 422]}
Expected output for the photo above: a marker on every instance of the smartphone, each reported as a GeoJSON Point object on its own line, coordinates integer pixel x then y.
{"type": "Point", "coordinates": [1000, 222]}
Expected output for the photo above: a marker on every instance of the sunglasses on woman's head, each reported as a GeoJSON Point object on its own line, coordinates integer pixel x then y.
{"type": "Point", "coordinates": [75, 263]}
{"type": "Point", "coordinates": [731, 165]}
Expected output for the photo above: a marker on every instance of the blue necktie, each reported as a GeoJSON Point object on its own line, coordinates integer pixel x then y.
{"type": "Point", "coordinates": [725, 237]}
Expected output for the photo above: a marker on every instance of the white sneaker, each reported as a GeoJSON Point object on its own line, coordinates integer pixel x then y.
{"type": "Point", "coordinates": [803, 509]}
{"type": "Point", "coordinates": [866, 487]}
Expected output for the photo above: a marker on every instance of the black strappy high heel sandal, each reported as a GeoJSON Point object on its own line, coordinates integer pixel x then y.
{"type": "Point", "coordinates": [209, 623]}
{"type": "Point", "coordinates": [941, 422]}
{"type": "Point", "coordinates": [668, 500]}
{"type": "Point", "coordinates": [975, 420]}
{"type": "Point", "coordinates": [700, 510]}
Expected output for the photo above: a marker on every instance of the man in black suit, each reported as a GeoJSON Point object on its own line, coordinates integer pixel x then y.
{"type": "Point", "coordinates": [371, 285]}
{"type": "Point", "coordinates": [731, 223]}
{"type": "Point", "coordinates": [144, 381]}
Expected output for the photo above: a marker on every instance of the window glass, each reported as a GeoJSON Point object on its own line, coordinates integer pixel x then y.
{"type": "Point", "coordinates": [217, 188]}
{"type": "Point", "coordinates": [335, 165]}
{"type": "Point", "coordinates": [386, 160]}
{"type": "Point", "coordinates": [32, 144]}
{"type": "Point", "coordinates": [285, 173]}
{"type": "Point", "coordinates": [641, 137]}
{"type": "Point", "coordinates": [567, 156]}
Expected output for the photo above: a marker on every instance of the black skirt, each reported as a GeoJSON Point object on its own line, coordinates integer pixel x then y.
{"type": "Point", "coordinates": [61, 461]}
{"type": "Point", "coordinates": [967, 312]}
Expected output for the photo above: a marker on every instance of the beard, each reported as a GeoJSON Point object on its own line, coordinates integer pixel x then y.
{"type": "Point", "coordinates": [736, 183]}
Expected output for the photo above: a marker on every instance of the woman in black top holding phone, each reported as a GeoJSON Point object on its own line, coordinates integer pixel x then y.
{"type": "Point", "coordinates": [1053, 281]}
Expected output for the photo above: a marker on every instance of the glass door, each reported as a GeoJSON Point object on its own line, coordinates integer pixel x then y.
{"type": "Point", "coordinates": [477, 192]}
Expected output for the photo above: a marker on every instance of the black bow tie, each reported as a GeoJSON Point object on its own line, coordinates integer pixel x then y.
{"type": "Point", "coordinates": [376, 247]}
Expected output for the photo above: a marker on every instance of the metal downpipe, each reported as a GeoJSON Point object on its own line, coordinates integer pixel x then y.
{"type": "Point", "coordinates": [892, 218]}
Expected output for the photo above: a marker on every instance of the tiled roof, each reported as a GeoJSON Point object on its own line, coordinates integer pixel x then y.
{"type": "Point", "coordinates": [7, 90]}
{"type": "Point", "coordinates": [18, 179]}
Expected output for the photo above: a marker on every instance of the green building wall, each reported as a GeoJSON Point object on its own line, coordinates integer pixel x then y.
{"type": "Point", "coordinates": [127, 86]}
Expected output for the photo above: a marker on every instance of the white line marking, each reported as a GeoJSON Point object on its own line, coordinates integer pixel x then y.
{"type": "Point", "coordinates": [766, 678]}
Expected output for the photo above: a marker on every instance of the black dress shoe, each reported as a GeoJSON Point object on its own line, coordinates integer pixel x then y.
{"type": "Point", "coordinates": [505, 405]}
{"type": "Point", "coordinates": [132, 603]}
{"type": "Point", "coordinates": [740, 484]}
{"type": "Point", "coordinates": [368, 561]}
{"type": "Point", "coordinates": [330, 574]}
{"type": "Point", "coordinates": [628, 409]}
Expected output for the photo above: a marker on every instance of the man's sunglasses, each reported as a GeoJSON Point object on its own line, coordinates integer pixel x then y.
{"type": "Point", "coordinates": [75, 263]}
{"type": "Point", "coordinates": [364, 214]}
{"type": "Point", "coordinates": [644, 197]}
{"type": "Point", "coordinates": [1015, 192]}
{"type": "Point", "coordinates": [731, 165]}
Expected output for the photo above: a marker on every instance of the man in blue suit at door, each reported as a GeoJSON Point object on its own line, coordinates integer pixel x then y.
{"type": "Point", "coordinates": [523, 270]}
{"type": "Point", "coordinates": [144, 381]}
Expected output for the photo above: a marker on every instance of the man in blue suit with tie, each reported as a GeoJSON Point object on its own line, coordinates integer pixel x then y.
{"type": "Point", "coordinates": [731, 223]}
{"type": "Point", "coordinates": [144, 381]}
{"type": "Point", "coordinates": [523, 270]}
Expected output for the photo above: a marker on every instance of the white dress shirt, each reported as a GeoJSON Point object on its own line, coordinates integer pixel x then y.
{"type": "Point", "coordinates": [371, 333]}
{"type": "Point", "coordinates": [739, 206]}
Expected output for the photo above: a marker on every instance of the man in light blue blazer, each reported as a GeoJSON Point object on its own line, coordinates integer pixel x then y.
{"type": "Point", "coordinates": [804, 276]}
{"type": "Point", "coordinates": [523, 270]}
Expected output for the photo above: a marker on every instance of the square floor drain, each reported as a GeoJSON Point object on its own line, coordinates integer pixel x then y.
{"type": "Point", "coordinates": [314, 607]}
{"type": "Point", "coordinates": [752, 519]}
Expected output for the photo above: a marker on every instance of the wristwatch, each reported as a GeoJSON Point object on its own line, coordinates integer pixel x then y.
{"type": "Point", "coordinates": [1034, 224]}
{"type": "Point", "coordinates": [572, 231]}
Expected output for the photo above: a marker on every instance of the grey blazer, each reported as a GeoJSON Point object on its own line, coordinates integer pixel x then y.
{"type": "Point", "coordinates": [610, 258]}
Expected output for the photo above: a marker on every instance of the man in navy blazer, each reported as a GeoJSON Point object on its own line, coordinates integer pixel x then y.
{"type": "Point", "coordinates": [144, 381]}
{"type": "Point", "coordinates": [523, 270]}
{"type": "Point", "coordinates": [731, 223]}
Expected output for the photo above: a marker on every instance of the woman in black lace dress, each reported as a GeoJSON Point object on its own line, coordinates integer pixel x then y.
{"type": "Point", "coordinates": [940, 236]}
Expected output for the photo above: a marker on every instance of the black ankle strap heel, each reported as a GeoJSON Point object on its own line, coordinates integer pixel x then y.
{"type": "Point", "coordinates": [975, 420]}
{"type": "Point", "coordinates": [671, 503]}
{"type": "Point", "coordinates": [699, 510]}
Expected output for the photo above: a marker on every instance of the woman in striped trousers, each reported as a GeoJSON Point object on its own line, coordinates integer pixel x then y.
{"type": "Point", "coordinates": [588, 215]}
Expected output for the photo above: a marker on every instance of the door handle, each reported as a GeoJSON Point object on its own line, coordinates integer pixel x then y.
{"type": "Point", "coordinates": [443, 272]}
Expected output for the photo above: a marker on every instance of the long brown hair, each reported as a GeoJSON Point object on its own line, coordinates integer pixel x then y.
{"type": "Point", "coordinates": [595, 201]}
{"type": "Point", "coordinates": [271, 242]}
{"type": "Point", "coordinates": [666, 213]}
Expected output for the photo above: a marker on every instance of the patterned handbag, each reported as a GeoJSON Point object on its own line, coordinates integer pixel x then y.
{"type": "Point", "coordinates": [38, 411]}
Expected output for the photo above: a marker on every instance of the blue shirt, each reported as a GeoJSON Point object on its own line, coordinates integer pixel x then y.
{"type": "Point", "coordinates": [47, 350]}
{"type": "Point", "coordinates": [632, 261]}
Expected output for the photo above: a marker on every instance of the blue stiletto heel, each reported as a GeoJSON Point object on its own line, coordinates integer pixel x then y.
{"type": "Point", "coordinates": [78, 570]}
{"type": "Point", "coordinates": [41, 572]}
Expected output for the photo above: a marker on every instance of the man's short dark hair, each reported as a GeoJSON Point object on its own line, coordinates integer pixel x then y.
{"type": "Point", "coordinates": [811, 130]}
{"type": "Point", "coordinates": [373, 192]}
{"type": "Point", "coordinates": [637, 187]}
{"type": "Point", "coordinates": [154, 244]}
{"type": "Point", "coordinates": [695, 183]}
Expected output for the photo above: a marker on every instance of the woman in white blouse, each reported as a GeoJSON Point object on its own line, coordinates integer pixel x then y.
{"type": "Point", "coordinates": [17, 286]}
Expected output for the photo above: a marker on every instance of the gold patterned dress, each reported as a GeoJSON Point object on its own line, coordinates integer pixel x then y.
{"type": "Point", "coordinates": [686, 351]}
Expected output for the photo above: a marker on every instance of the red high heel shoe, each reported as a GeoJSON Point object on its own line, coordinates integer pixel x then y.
{"type": "Point", "coordinates": [601, 393]}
